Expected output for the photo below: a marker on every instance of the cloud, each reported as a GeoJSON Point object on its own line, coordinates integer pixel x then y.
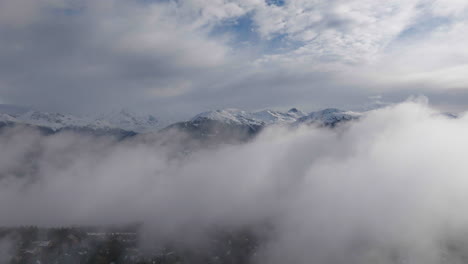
{"type": "Point", "coordinates": [388, 186]}
{"type": "Point", "coordinates": [88, 56]}
{"type": "Point", "coordinates": [25, 12]}
{"type": "Point", "coordinates": [100, 52]}
{"type": "Point", "coordinates": [6, 247]}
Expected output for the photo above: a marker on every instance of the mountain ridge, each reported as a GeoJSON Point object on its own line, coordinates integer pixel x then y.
{"type": "Point", "coordinates": [208, 122]}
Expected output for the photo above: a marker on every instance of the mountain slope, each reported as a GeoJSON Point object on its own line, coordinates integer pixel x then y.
{"type": "Point", "coordinates": [242, 125]}
{"type": "Point", "coordinates": [328, 117]}
{"type": "Point", "coordinates": [127, 120]}
{"type": "Point", "coordinates": [122, 120]}
{"type": "Point", "coordinates": [219, 124]}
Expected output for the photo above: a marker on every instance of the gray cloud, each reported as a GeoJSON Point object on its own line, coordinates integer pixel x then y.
{"type": "Point", "coordinates": [6, 247]}
{"type": "Point", "coordinates": [108, 53]}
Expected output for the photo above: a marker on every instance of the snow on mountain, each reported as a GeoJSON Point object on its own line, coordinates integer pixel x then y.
{"type": "Point", "coordinates": [294, 112]}
{"type": "Point", "coordinates": [55, 121]}
{"type": "Point", "coordinates": [229, 116]}
{"type": "Point", "coordinates": [328, 117]}
{"type": "Point", "coordinates": [270, 117]}
{"type": "Point", "coordinates": [124, 120]}
{"type": "Point", "coordinates": [229, 124]}
{"type": "Point", "coordinates": [240, 117]}
{"type": "Point", "coordinates": [7, 118]}
{"type": "Point", "coordinates": [127, 120]}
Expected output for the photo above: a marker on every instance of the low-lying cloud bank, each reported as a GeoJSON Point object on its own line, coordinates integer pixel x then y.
{"type": "Point", "coordinates": [389, 188]}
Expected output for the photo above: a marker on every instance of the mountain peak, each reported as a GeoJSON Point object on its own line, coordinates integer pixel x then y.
{"type": "Point", "coordinates": [329, 116]}
{"type": "Point", "coordinates": [122, 119]}
{"type": "Point", "coordinates": [330, 111]}
{"type": "Point", "coordinates": [236, 116]}
{"type": "Point", "coordinates": [128, 120]}
{"type": "Point", "coordinates": [125, 119]}
{"type": "Point", "coordinates": [229, 115]}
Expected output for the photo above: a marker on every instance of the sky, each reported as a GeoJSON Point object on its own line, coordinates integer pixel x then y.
{"type": "Point", "coordinates": [181, 57]}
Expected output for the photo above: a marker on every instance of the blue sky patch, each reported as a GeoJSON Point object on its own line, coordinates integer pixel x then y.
{"type": "Point", "coordinates": [242, 28]}
{"type": "Point", "coordinates": [244, 32]}
{"type": "Point", "coordinates": [275, 2]}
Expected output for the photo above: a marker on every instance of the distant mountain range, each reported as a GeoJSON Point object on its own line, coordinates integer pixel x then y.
{"type": "Point", "coordinates": [240, 125]}
{"type": "Point", "coordinates": [118, 120]}
{"type": "Point", "coordinates": [226, 122]}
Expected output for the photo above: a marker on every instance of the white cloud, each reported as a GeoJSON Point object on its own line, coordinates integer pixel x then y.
{"type": "Point", "coordinates": [393, 182]}
{"type": "Point", "coordinates": [436, 61]}
{"type": "Point", "coordinates": [101, 51]}
{"type": "Point", "coordinates": [342, 31]}
{"type": "Point", "coordinates": [457, 8]}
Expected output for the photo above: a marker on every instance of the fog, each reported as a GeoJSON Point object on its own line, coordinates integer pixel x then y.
{"type": "Point", "coordinates": [392, 185]}
{"type": "Point", "coordinates": [5, 249]}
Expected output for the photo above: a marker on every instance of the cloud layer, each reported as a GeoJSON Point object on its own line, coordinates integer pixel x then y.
{"type": "Point", "coordinates": [392, 185]}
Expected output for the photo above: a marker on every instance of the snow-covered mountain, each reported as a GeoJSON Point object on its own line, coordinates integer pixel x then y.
{"type": "Point", "coordinates": [227, 116]}
{"type": "Point", "coordinates": [6, 118]}
{"type": "Point", "coordinates": [127, 120]}
{"type": "Point", "coordinates": [242, 125]}
{"type": "Point", "coordinates": [119, 120]}
{"type": "Point", "coordinates": [270, 117]}
{"type": "Point", "coordinates": [259, 118]}
{"type": "Point", "coordinates": [224, 122]}
{"type": "Point", "coordinates": [54, 121]}
{"type": "Point", "coordinates": [328, 117]}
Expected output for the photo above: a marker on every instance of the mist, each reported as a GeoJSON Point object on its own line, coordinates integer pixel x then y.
{"type": "Point", "coordinates": [388, 188]}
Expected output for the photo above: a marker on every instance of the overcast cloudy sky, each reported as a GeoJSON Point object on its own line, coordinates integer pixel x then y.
{"type": "Point", "coordinates": [185, 56]}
